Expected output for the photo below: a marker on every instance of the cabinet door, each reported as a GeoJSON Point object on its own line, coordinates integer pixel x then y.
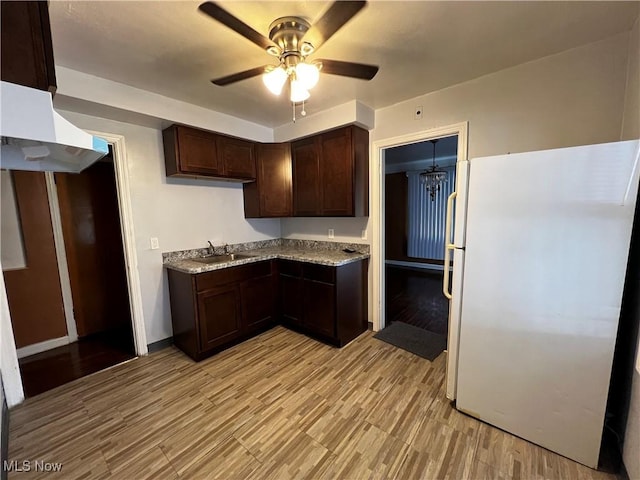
{"type": "Point", "coordinates": [337, 173]}
{"type": "Point", "coordinates": [218, 316]}
{"type": "Point", "coordinates": [319, 307]}
{"type": "Point", "coordinates": [305, 157]}
{"type": "Point", "coordinates": [27, 52]}
{"type": "Point", "coordinates": [258, 302]}
{"type": "Point", "coordinates": [197, 152]}
{"type": "Point", "coordinates": [290, 299]}
{"type": "Point", "coordinates": [237, 157]}
{"type": "Point", "coordinates": [274, 179]}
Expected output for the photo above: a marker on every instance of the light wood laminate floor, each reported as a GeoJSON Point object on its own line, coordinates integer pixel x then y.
{"type": "Point", "coordinates": [278, 406]}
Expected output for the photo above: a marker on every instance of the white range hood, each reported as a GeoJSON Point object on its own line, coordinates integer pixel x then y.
{"type": "Point", "coordinates": [35, 137]}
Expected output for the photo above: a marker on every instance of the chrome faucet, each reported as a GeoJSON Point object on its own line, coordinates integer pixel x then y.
{"type": "Point", "coordinates": [211, 249]}
{"type": "Point", "coordinates": [226, 249]}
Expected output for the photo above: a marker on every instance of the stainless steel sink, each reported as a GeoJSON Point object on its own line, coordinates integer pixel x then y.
{"type": "Point", "coordinates": [221, 258]}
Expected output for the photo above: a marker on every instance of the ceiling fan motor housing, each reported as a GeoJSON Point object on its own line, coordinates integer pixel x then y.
{"type": "Point", "coordinates": [287, 33]}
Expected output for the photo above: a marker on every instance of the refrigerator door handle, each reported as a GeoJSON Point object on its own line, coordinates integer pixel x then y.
{"type": "Point", "coordinates": [448, 246]}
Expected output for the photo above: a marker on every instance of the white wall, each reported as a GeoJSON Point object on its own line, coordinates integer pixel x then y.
{"type": "Point", "coordinates": [345, 114]}
{"type": "Point", "coordinates": [345, 229]}
{"type": "Point", "coordinates": [181, 213]}
{"type": "Point", "coordinates": [572, 98]}
{"type": "Point", "coordinates": [630, 130]}
{"type": "Point", "coordinates": [631, 117]}
{"type": "Point", "coordinates": [96, 96]}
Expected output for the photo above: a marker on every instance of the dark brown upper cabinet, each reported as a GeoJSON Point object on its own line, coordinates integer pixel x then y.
{"type": "Point", "coordinates": [237, 157]}
{"type": "Point", "coordinates": [192, 152]}
{"type": "Point", "coordinates": [307, 196]}
{"type": "Point", "coordinates": [331, 174]}
{"type": "Point", "coordinates": [26, 48]}
{"type": "Point", "coordinates": [270, 194]}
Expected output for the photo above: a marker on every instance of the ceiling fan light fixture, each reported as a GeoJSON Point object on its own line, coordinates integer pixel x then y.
{"type": "Point", "coordinates": [274, 79]}
{"type": "Point", "coordinates": [274, 50]}
{"type": "Point", "coordinates": [307, 74]}
{"type": "Point", "coordinates": [298, 92]}
{"type": "Point", "coordinates": [292, 39]}
{"type": "Point", "coordinates": [306, 49]}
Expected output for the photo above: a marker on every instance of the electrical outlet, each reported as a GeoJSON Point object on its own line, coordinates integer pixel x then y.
{"type": "Point", "coordinates": [331, 233]}
{"type": "Point", "coordinates": [154, 243]}
{"type": "Point", "coordinates": [364, 235]}
{"type": "Point", "coordinates": [417, 114]}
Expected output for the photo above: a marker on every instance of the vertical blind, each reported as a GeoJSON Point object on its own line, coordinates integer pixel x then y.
{"type": "Point", "coordinates": [426, 220]}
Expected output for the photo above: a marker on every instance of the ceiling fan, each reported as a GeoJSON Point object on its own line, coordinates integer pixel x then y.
{"type": "Point", "coordinates": [291, 40]}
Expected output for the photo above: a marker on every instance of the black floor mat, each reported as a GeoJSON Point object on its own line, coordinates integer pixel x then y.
{"type": "Point", "coordinates": [413, 339]}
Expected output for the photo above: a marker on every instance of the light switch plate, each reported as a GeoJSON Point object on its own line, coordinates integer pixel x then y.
{"type": "Point", "coordinates": [331, 233]}
{"type": "Point", "coordinates": [154, 243]}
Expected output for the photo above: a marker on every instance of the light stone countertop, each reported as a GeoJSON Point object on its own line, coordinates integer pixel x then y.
{"type": "Point", "coordinates": [333, 258]}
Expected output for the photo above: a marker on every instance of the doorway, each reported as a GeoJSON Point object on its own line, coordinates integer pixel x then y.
{"type": "Point", "coordinates": [414, 231]}
{"type": "Point", "coordinates": [378, 213]}
{"type": "Point", "coordinates": [90, 221]}
{"type": "Point", "coordinates": [21, 257]}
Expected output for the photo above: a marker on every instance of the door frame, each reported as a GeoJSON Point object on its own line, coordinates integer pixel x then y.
{"type": "Point", "coordinates": [61, 255]}
{"type": "Point", "coordinates": [120, 161]}
{"type": "Point", "coordinates": [378, 203]}
{"type": "Point", "coordinates": [117, 142]}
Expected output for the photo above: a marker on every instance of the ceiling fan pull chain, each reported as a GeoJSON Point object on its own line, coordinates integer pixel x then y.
{"type": "Point", "coordinates": [294, 111]}
{"type": "Point", "coordinates": [303, 112]}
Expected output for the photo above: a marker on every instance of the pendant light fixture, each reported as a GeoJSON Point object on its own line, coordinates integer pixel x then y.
{"type": "Point", "coordinates": [432, 178]}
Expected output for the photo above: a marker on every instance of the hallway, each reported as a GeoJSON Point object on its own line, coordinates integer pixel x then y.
{"type": "Point", "coordinates": [414, 296]}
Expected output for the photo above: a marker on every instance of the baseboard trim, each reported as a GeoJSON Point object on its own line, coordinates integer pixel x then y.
{"type": "Point", "coordinates": [425, 266]}
{"type": "Point", "coordinates": [160, 345]}
{"type": "Point", "coordinates": [42, 346]}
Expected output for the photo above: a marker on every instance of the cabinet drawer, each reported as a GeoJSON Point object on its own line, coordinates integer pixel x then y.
{"type": "Point", "coordinates": [319, 273]}
{"type": "Point", "coordinates": [289, 267]}
{"type": "Point", "coordinates": [205, 281]}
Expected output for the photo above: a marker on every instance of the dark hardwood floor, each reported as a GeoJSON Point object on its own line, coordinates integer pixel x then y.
{"type": "Point", "coordinates": [414, 296]}
{"type": "Point", "coordinates": [47, 370]}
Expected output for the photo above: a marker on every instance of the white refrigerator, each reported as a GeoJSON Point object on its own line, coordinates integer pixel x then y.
{"type": "Point", "coordinates": [540, 243]}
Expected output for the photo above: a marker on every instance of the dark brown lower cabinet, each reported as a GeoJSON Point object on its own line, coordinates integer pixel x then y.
{"type": "Point", "coordinates": [214, 310]}
{"type": "Point", "coordinates": [319, 307]}
{"type": "Point", "coordinates": [328, 303]}
{"type": "Point", "coordinates": [219, 315]}
{"type": "Point", "coordinates": [290, 292]}
{"type": "Point", "coordinates": [257, 297]}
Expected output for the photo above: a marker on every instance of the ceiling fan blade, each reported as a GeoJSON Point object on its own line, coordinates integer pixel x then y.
{"type": "Point", "coordinates": [221, 15]}
{"type": "Point", "coordinates": [236, 77]}
{"type": "Point", "coordinates": [349, 69]}
{"type": "Point", "coordinates": [338, 14]}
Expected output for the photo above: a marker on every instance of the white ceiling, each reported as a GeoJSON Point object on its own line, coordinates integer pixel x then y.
{"type": "Point", "coordinates": [172, 49]}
